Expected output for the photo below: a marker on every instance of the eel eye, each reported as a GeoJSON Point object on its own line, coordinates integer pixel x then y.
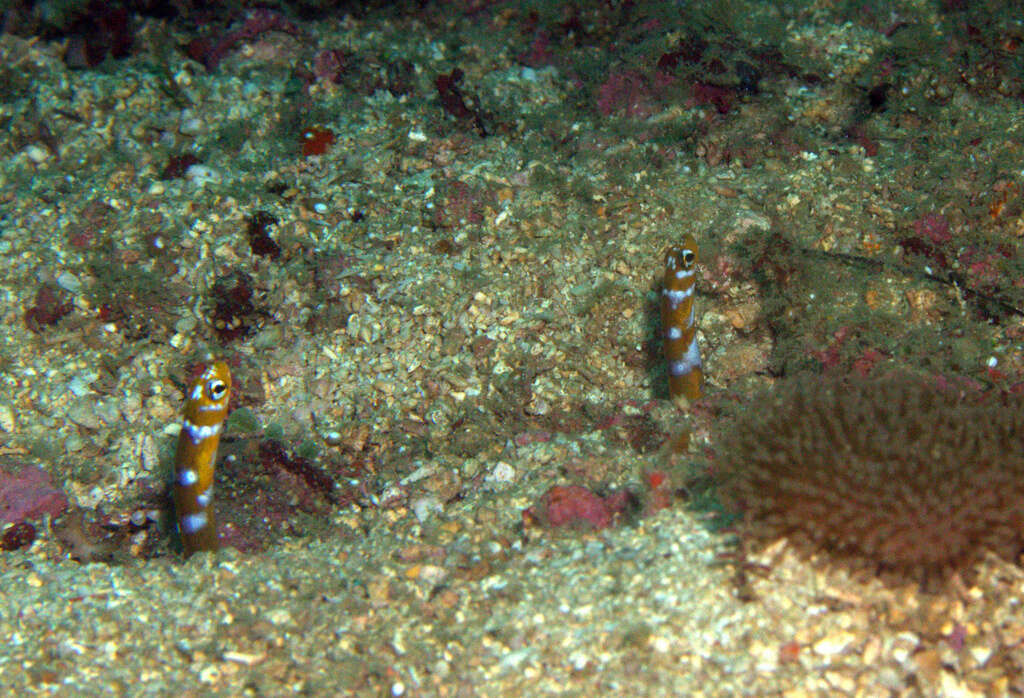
{"type": "Point", "coordinates": [216, 389]}
{"type": "Point", "coordinates": [689, 257]}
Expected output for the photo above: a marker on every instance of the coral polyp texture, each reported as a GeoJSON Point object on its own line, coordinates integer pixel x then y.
{"type": "Point", "coordinates": [894, 473]}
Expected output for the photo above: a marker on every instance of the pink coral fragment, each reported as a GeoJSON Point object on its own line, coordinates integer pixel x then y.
{"type": "Point", "coordinates": [26, 492]}
{"type": "Point", "coordinates": [571, 505]}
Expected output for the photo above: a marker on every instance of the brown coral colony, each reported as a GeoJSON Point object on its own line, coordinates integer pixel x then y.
{"type": "Point", "coordinates": [896, 473]}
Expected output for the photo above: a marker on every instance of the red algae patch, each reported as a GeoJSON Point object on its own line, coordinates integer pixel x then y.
{"type": "Point", "coordinates": [896, 473]}
{"type": "Point", "coordinates": [316, 141]}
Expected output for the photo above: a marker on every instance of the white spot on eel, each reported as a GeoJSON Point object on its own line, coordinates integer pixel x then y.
{"type": "Point", "coordinates": [193, 523]}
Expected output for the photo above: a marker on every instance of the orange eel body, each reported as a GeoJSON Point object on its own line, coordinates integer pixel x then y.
{"type": "Point", "coordinates": [685, 376]}
{"type": "Point", "coordinates": [206, 406]}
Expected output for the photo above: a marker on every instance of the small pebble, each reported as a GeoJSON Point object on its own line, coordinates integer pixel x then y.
{"type": "Point", "coordinates": [191, 126]}
{"type": "Point", "coordinates": [432, 574]}
{"type": "Point", "coordinates": [83, 413]}
{"type": "Point", "coordinates": [423, 507]}
{"type": "Point", "coordinates": [502, 474]}
{"type": "Point", "coordinates": [79, 384]}
{"type": "Point", "coordinates": [69, 282]}
{"type": "Point", "coordinates": [202, 175]}
{"type": "Point", "coordinates": [37, 153]}
{"type": "Point", "coordinates": [107, 411]}
{"type": "Point", "coordinates": [834, 644]}
{"type": "Point", "coordinates": [7, 422]}
{"type": "Point", "coordinates": [278, 616]}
